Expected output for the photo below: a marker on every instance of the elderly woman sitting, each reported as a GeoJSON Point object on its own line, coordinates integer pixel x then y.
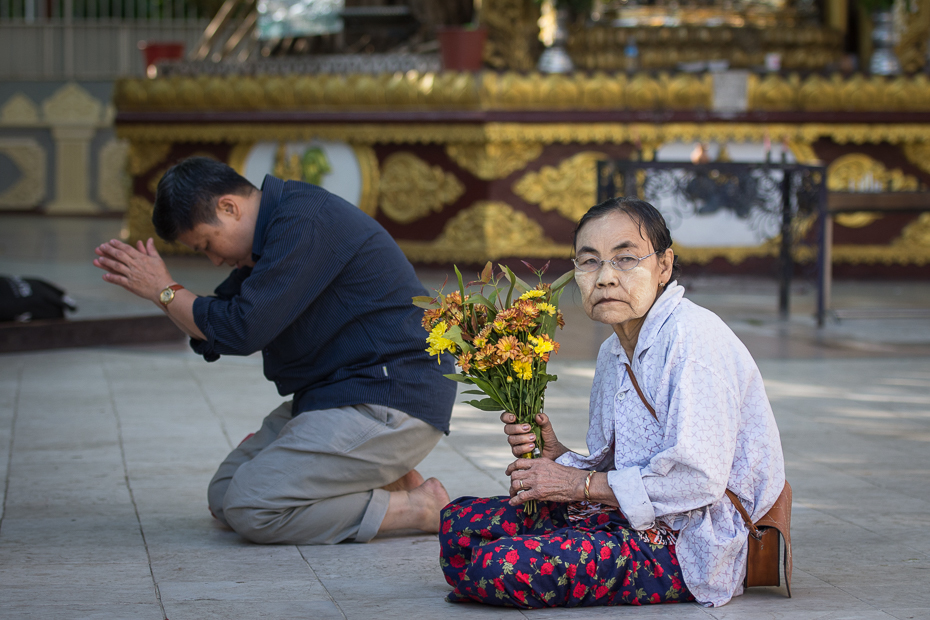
{"type": "Point", "coordinates": [644, 518]}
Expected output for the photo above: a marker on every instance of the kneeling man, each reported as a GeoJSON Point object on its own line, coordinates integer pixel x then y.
{"type": "Point", "coordinates": [323, 291]}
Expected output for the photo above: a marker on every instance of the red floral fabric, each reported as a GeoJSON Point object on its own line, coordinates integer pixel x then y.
{"type": "Point", "coordinates": [495, 553]}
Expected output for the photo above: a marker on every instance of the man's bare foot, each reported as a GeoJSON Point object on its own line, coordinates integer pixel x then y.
{"type": "Point", "coordinates": [416, 509]}
{"type": "Point", "coordinates": [408, 482]}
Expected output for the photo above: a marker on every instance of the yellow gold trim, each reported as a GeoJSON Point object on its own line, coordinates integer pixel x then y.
{"type": "Point", "coordinates": [858, 219]}
{"type": "Point", "coordinates": [857, 172]}
{"type": "Point", "coordinates": [513, 91]}
{"type": "Point", "coordinates": [410, 188]}
{"type": "Point", "coordinates": [919, 155]}
{"type": "Point", "coordinates": [542, 133]}
{"type": "Point", "coordinates": [570, 188]}
{"type": "Point", "coordinates": [371, 178]}
{"type": "Point", "coordinates": [487, 230]}
{"type": "Point", "coordinates": [493, 160]}
{"type": "Point", "coordinates": [144, 155]}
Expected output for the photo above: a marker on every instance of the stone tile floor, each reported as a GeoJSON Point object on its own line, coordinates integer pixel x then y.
{"type": "Point", "coordinates": [105, 454]}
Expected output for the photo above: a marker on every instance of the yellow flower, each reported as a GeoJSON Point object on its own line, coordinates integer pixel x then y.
{"type": "Point", "coordinates": [509, 379]}
{"type": "Point", "coordinates": [543, 345]}
{"type": "Point", "coordinates": [524, 370]}
{"type": "Point", "coordinates": [547, 308]}
{"type": "Point", "coordinates": [532, 294]}
{"type": "Point", "coordinates": [499, 325]}
{"type": "Point", "coordinates": [438, 342]}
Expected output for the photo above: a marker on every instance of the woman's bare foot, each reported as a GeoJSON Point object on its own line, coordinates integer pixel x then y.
{"type": "Point", "coordinates": [416, 509]}
{"type": "Point", "coordinates": [408, 482]}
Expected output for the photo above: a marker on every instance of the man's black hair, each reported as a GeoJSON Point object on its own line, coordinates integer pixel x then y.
{"type": "Point", "coordinates": [651, 224]}
{"type": "Point", "coordinates": [188, 192]}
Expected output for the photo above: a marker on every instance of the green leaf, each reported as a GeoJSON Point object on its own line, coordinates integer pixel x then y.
{"type": "Point", "coordinates": [486, 404]}
{"type": "Point", "coordinates": [563, 280]}
{"type": "Point", "coordinates": [458, 275]}
{"type": "Point", "coordinates": [520, 284]}
{"type": "Point", "coordinates": [475, 298]}
{"type": "Point", "coordinates": [458, 378]}
{"type": "Point", "coordinates": [478, 392]}
{"type": "Point", "coordinates": [422, 301]}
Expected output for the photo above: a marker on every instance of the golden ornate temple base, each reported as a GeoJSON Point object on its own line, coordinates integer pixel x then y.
{"type": "Point", "coordinates": [458, 173]}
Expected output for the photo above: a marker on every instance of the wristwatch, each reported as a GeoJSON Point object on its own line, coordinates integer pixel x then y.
{"type": "Point", "coordinates": [167, 295]}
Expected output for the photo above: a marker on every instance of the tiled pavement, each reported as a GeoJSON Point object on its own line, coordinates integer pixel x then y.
{"type": "Point", "coordinates": [105, 455]}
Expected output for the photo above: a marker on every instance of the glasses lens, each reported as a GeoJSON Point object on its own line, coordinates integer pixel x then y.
{"type": "Point", "coordinates": [624, 262]}
{"type": "Point", "coordinates": [587, 262]}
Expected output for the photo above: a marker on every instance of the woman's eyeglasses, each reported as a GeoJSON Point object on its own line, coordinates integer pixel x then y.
{"type": "Point", "coordinates": [621, 262]}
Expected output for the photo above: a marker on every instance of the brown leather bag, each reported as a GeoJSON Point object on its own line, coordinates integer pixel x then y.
{"type": "Point", "coordinates": [764, 535]}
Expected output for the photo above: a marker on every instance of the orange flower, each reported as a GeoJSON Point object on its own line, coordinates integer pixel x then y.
{"type": "Point", "coordinates": [507, 347]}
{"type": "Point", "coordinates": [464, 362]}
{"type": "Point", "coordinates": [430, 318]}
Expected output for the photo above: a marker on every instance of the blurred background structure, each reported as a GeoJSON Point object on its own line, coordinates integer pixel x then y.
{"type": "Point", "coordinates": [471, 129]}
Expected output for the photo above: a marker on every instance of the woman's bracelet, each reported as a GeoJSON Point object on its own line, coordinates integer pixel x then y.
{"type": "Point", "coordinates": [587, 485]}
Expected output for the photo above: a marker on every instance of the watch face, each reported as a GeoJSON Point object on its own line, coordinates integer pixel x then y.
{"type": "Point", "coordinates": [166, 296]}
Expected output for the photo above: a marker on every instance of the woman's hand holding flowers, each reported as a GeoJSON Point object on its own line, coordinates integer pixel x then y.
{"type": "Point", "coordinates": [544, 479]}
{"type": "Point", "coordinates": [523, 441]}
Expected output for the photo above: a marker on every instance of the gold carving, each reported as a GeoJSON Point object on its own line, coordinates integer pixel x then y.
{"type": "Point", "coordinates": [112, 178]}
{"type": "Point", "coordinates": [144, 155]}
{"type": "Point", "coordinates": [544, 133]}
{"type": "Point", "coordinates": [495, 160]}
{"type": "Point", "coordinates": [857, 172]}
{"type": "Point", "coordinates": [570, 189]}
{"type": "Point", "coordinates": [804, 153]}
{"type": "Point", "coordinates": [19, 110]}
{"type": "Point", "coordinates": [917, 233]}
{"type": "Point", "coordinates": [512, 34]}
{"type": "Point", "coordinates": [371, 178]}
{"type": "Point", "coordinates": [487, 230]}
{"type": "Point", "coordinates": [410, 188]}
{"type": "Point", "coordinates": [72, 105]}
{"type": "Point", "coordinates": [859, 219]}
{"type": "Point", "coordinates": [912, 47]}
{"type": "Point", "coordinates": [918, 154]}
{"type": "Point", "coordinates": [30, 159]}
{"type": "Point", "coordinates": [511, 90]}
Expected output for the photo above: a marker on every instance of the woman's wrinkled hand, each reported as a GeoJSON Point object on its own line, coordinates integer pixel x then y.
{"type": "Point", "coordinates": [523, 441]}
{"type": "Point", "coordinates": [544, 479]}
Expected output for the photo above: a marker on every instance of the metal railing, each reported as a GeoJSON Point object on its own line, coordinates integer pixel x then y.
{"type": "Point", "coordinates": [786, 194]}
{"type": "Point", "coordinates": [89, 39]}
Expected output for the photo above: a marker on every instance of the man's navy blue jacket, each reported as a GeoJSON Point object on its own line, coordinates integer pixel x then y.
{"type": "Point", "coordinates": [328, 305]}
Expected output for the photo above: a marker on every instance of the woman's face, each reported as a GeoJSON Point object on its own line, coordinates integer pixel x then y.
{"type": "Point", "coordinates": [612, 296]}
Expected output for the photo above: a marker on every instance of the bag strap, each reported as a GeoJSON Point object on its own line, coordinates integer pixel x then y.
{"type": "Point", "coordinates": [733, 497]}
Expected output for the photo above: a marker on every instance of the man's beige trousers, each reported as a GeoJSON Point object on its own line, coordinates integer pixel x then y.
{"type": "Point", "coordinates": [315, 478]}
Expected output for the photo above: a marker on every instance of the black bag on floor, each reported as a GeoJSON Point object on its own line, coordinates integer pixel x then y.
{"type": "Point", "coordinates": [30, 299]}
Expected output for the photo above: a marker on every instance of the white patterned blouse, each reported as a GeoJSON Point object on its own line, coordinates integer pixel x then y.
{"type": "Point", "coordinates": [715, 430]}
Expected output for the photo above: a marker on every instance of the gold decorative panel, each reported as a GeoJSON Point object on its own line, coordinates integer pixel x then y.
{"type": "Point", "coordinates": [30, 159]}
{"type": "Point", "coordinates": [410, 188]}
{"type": "Point", "coordinates": [371, 178]}
{"type": "Point", "coordinates": [144, 155]}
{"type": "Point", "coordinates": [570, 188]}
{"type": "Point", "coordinates": [515, 91]}
{"type": "Point", "coordinates": [493, 160]}
{"type": "Point", "coordinates": [857, 172]}
{"type": "Point", "coordinates": [918, 153]}
{"type": "Point", "coordinates": [487, 230]}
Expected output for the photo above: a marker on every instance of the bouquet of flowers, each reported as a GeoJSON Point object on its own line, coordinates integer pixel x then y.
{"type": "Point", "coordinates": [502, 336]}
